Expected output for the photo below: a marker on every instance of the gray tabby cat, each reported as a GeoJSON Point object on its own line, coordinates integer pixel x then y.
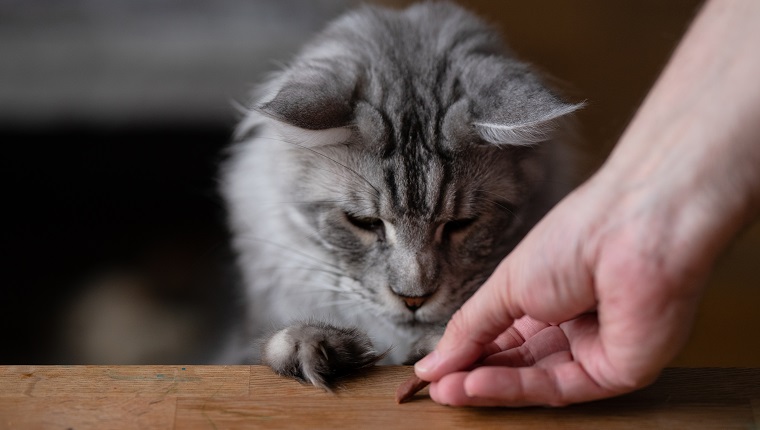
{"type": "Point", "coordinates": [379, 180]}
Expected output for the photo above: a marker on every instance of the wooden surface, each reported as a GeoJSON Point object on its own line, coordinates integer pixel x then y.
{"type": "Point", "coordinates": [217, 397]}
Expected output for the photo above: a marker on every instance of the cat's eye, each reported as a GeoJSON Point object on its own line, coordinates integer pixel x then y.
{"type": "Point", "coordinates": [374, 225]}
{"type": "Point", "coordinates": [457, 226]}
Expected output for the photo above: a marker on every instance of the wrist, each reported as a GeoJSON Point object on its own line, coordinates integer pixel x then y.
{"type": "Point", "coordinates": [696, 139]}
{"type": "Point", "coordinates": [684, 203]}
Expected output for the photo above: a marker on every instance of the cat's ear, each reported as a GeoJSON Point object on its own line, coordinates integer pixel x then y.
{"type": "Point", "coordinates": [510, 105]}
{"type": "Point", "coordinates": [315, 95]}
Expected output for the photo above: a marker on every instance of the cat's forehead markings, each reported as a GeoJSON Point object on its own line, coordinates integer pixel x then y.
{"type": "Point", "coordinates": [415, 188]}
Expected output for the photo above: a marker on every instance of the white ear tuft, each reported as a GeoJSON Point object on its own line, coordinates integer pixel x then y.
{"type": "Point", "coordinates": [517, 135]}
{"type": "Point", "coordinates": [312, 138]}
{"type": "Point", "coordinates": [525, 133]}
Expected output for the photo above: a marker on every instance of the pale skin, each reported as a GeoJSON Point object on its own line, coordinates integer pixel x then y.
{"type": "Point", "coordinates": [601, 294]}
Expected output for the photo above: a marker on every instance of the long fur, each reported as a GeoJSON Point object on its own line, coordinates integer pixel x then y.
{"type": "Point", "coordinates": [377, 182]}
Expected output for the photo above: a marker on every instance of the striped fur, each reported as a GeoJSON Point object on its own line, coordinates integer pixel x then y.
{"type": "Point", "coordinates": [381, 177]}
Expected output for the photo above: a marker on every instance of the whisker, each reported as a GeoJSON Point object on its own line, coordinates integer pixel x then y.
{"type": "Point", "coordinates": [480, 190]}
{"type": "Point", "coordinates": [510, 211]}
{"type": "Point", "coordinates": [506, 209]}
{"type": "Point", "coordinates": [307, 202]}
{"type": "Point", "coordinates": [348, 181]}
{"type": "Point", "coordinates": [293, 250]}
{"type": "Point", "coordinates": [313, 234]}
{"type": "Point", "coordinates": [377, 191]}
{"type": "Point", "coordinates": [318, 289]}
{"type": "Point", "coordinates": [317, 269]}
{"type": "Point", "coordinates": [336, 303]}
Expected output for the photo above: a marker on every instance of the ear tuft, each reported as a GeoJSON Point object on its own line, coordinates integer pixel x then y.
{"type": "Point", "coordinates": [537, 129]}
{"type": "Point", "coordinates": [510, 103]}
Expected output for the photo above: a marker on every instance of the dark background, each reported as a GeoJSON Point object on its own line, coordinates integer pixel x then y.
{"type": "Point", "coordinates": [85, 199]}
{"type": "Point", "coordinates": [114, 115]}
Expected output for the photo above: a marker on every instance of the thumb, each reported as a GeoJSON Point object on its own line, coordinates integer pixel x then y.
{"type": "Point", "coordinates": [487, 314]}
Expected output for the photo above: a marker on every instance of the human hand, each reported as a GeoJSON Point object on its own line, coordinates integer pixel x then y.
{"type": "Point", "coordinates": [593, 303]}
{"type": "Point", "coordinates": [601, 294]}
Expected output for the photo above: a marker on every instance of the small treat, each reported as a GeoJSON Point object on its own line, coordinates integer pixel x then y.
{"type": "Point", "coordinates": [408, 389]}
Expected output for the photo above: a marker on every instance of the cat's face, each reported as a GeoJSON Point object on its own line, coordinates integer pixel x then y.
{"type": "Point", "coordinates": [416, 146]}
{"type": "Point", "coordinates": [417, 230]}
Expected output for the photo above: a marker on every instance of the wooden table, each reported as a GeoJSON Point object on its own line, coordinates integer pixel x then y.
{"type": "Point", "coordinates": [217, 397]}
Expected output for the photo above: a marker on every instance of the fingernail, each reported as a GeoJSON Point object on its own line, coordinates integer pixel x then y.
{"type": "Point", "coordinates": [467, 389]}
{"type": "Point", "coordinates": [428, 363]}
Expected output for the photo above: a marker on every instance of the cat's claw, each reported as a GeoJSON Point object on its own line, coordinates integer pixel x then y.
{"type": "Point", "coordinates": [318, 353]}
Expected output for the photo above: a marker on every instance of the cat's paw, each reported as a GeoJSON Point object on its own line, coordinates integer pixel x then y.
{"type": "Point", "coordinates": [318, 353]}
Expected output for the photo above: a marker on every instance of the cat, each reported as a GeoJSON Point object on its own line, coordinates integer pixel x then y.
{"type": "Point", "coordinates": [378, 180]}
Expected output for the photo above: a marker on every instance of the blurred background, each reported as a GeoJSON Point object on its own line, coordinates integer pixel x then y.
{"type": "Point", "coordinates": [114, 115]}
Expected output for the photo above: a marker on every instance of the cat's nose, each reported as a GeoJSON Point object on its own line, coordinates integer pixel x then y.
{"type": "Point", "coordinates": [414, 303]}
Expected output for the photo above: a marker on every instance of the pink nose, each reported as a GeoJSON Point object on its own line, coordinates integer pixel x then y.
{"type": "Point", "coordinates": [414, 303]}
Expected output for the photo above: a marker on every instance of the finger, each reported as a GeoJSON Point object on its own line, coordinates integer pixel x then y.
{"type": "Point", "coordinates": [450, 391]}
{"type": "Point", "coordinates": [555, 359]}
{"type": "Point", "coordinates": [523, 328]}
{"type": "Point", "coordinates": [542, 344]}
{"type": "Point", "coordinates": [485, 316]}
{"type": "Point", "coordinates": [558, 383]}
{"type": "Point", "coordinates": [514, 336]}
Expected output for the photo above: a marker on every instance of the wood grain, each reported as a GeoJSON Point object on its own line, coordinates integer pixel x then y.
{"type": "Point", "coordinates": [186, 381]}
{"type": "Point", "coordinates": [190, 397]}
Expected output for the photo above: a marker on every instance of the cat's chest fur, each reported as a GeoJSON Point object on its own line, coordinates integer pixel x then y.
{"type": "Point", "coordinates": [380, 178]}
